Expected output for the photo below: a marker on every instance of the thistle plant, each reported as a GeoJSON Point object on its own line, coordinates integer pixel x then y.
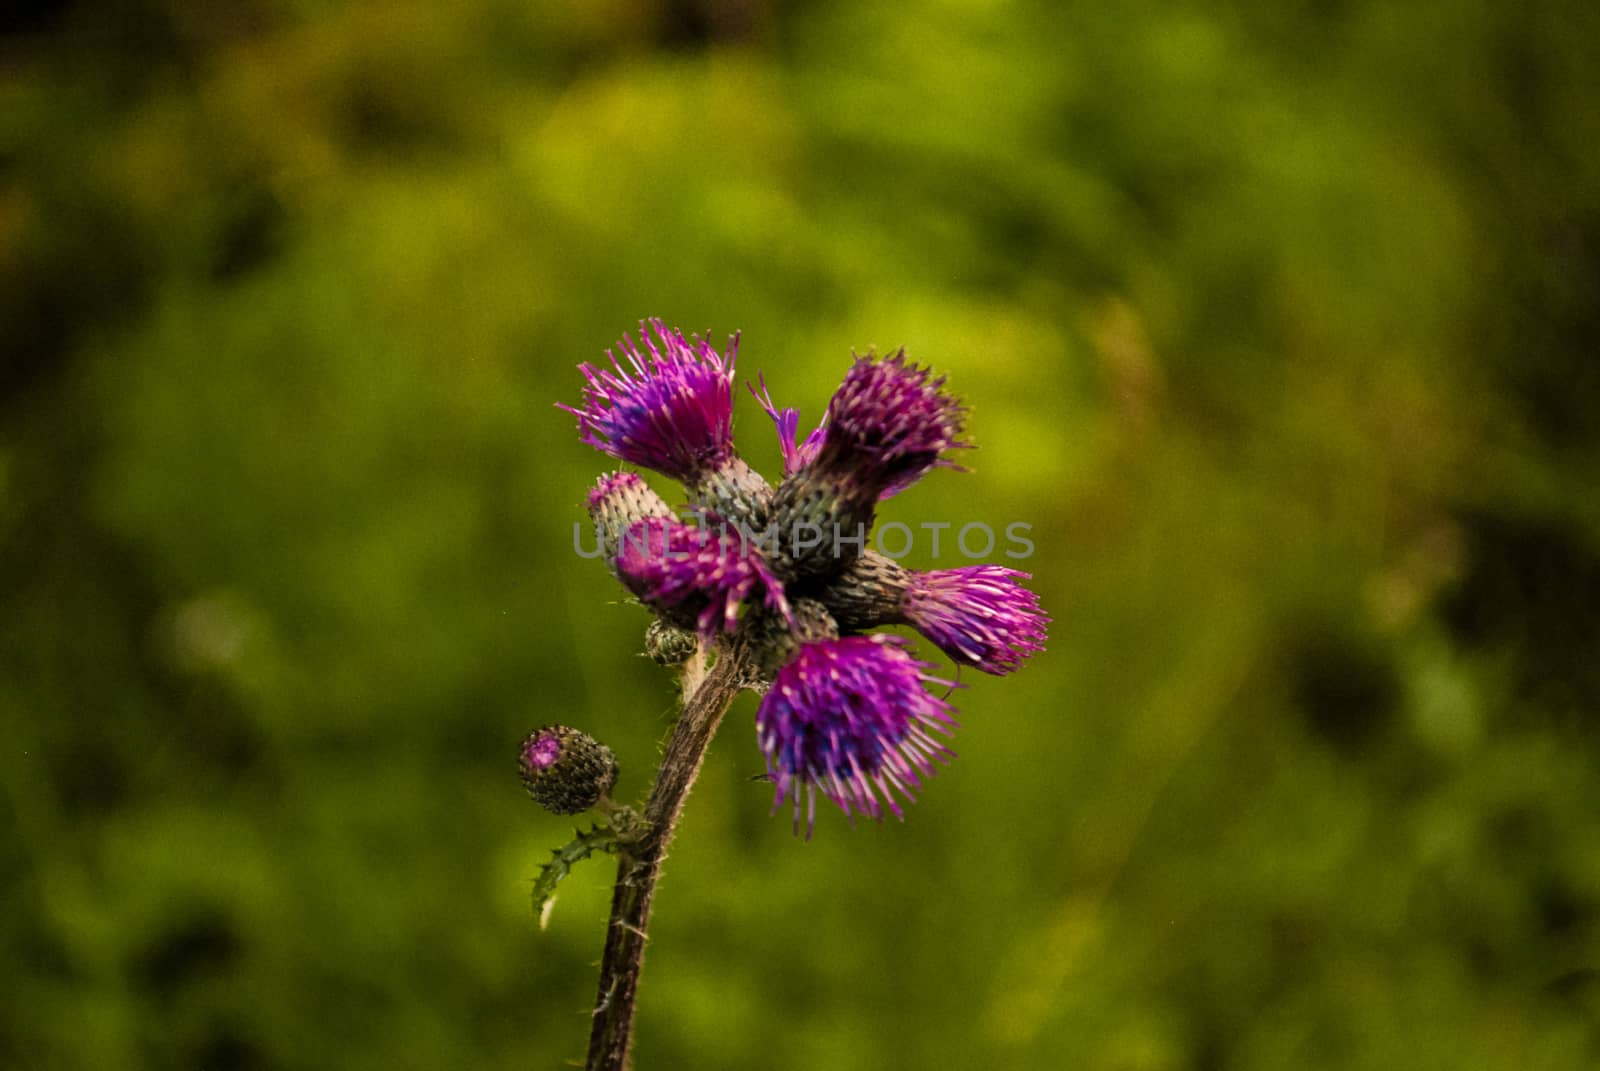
{"type": "Point", "coordinates": [771, 590]}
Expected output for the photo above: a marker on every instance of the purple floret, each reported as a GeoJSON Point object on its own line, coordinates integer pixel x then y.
{"type": "Point", "coordinates": [696, 572]}
{"type": "Point", "coordinates": [888, 424]}
{"type": "Point", "coordinates": [980, 615]}
{"type": "Point", "coordinates": [796, 454]}
{"type": "Point", "coordinates": [852, 720]}
{"type": "Point", "coordinates": [541, 750]}
{"type": "Point", "coordinates": [670, 409]}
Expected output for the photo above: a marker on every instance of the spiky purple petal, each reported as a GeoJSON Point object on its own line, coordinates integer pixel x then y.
{"type": "Point", "coordinates": [796, 454]}
{"type": "Point", "coordinates": [979, 615]}
{"type": "Point", "coordinates": [852, 720]}
{"type": "Point", "coordinates": [670, 409]}
{"type": "Point", "coordinates": [889, 422]}
{"type": "Point", "coordinates": [697, 571]}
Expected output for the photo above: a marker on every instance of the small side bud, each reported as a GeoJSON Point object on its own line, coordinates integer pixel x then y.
{"type": "Point", "coordinates": [566, 771]}
{"type": "Point", "coordinates": [668, 645]}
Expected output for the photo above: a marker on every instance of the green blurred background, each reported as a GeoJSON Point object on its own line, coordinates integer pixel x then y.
{"type": "Point", "coordinates": [1277, 320]}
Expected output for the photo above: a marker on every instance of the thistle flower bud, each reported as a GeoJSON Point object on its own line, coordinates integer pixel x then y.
{"type": "Point", "coordinates": [617, 502]}
{"type": "Point", "coordinates": [668, 645]}
{"type": "Point", "coordinates": [566, 771]}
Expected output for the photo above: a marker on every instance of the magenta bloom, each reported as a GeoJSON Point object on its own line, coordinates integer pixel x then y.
{"type": "Point", "coordinates": [851, 719]}
{"type": "Point", "coordinates": [670, 409]}
{"type": "Point", "coordinates": [697, 575]}
{"type": "Point", "coordinates": [888, 424]}
{"type": "Point", "coordinates": [980, 615]}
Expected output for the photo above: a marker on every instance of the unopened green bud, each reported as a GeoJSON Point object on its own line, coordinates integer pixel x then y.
{"type": "Point", "coordinates": [668, 645]}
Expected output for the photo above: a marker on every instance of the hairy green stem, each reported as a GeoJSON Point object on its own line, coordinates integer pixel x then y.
{"type": "Point", "coordinates": [639, 863]}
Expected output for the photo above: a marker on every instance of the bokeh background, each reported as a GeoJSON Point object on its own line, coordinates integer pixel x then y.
{"type": "Point", "coordinates": [1278, 322]}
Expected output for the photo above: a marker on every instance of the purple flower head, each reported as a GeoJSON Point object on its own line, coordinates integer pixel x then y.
{"type": "Point", "coordinates": [979, 615]}
{"type": "Point", "coordinates": [696, 574]}
{"type": "Point", "coordinates": [851, 719]}
{"type": "Point", "coordinates": [670, 409]}
{"type": "Point", "coordinates": [796, 454]}
{"type": "Point", "coordinates": [888, 424]}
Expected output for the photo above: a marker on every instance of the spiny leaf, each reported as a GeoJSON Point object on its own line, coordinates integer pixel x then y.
{"type": "Point", "coordinates": [606, 838]}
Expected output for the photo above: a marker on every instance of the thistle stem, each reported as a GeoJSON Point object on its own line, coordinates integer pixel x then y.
{"type": "Point", "coordinates": [639, 864]}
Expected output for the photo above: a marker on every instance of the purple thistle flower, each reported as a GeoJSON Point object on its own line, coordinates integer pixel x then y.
{"type": "Point", "coordinates": [670, 410]}
{"type": "Point", "coordinates": [851, 719]}
{"type": "Point", "coordinates": [888, 424]}
{"type": "Point", "coordinates": [694, 576]}
{"type": "Point", "coordinates": [979, 615]}
{"type": "Point", "coordinates": [796, 454]}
